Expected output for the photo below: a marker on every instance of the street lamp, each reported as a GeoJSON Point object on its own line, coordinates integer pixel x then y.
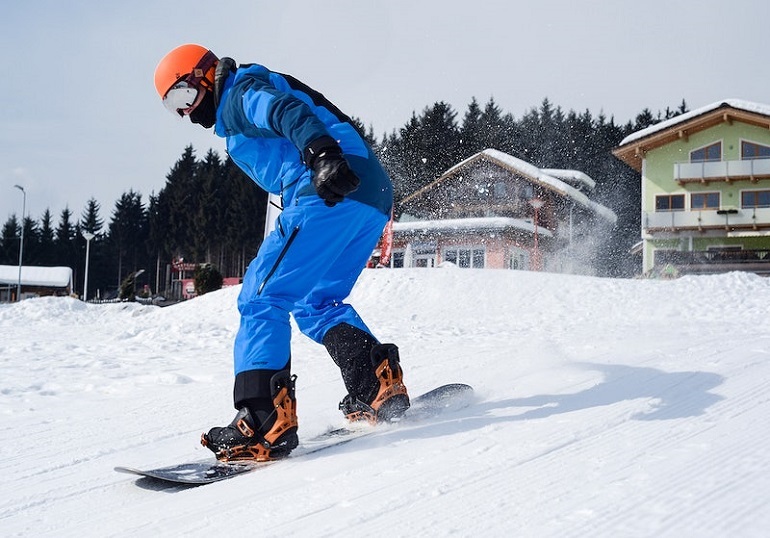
{"type": "Point", "coordinates": [21, 243]}
{"type": "Point", "coordinates": [88, 236]}
{"type": "Point", "coordinates": [536, 203]}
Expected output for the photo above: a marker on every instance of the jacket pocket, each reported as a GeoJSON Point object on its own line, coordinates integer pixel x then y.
{"type": "Point", "coordinates": [280, 257]}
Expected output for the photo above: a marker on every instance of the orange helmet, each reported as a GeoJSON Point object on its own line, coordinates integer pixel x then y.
{"type": "Point", "coordinates": [190, 62]}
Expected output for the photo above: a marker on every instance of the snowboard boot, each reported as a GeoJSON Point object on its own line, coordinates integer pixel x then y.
{"type": "Point", "coordinates": [371, 372]}
{"type": "Point", "coordinates": [263, 430]}
{"type": "Point", "coordinates": [389, 400]}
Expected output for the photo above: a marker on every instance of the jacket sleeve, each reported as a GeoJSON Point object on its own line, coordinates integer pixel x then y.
{"type": "Point", "coordinates": [281, 113]}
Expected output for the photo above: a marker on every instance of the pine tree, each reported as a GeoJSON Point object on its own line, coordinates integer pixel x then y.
{"type": "Point", "coordinates": [9, 238]}
{"type": "Point", "coordinates": [127, 233]}
{"type": "Point", "coordinates": [47, 240]}
{"type": "Point", "coordinates": [644, 119]}
{"type": "Point", "coordinates": [31, 241]}
{"type": "Point", "coordinates": [493, 127]}
{"type": "Point", "coordinates": [471, 131]}
{"type": "Point", "coordinates": [181, 195]}
{"type": "Point", "coordinates": [209, 212]}
{"type": "Point", "coordinates": [440, 141]}
{"type": "Point", "coordinates": [90, 221]}
{"type": "Point", "coordinates": [65, 247]}
{"type": "Point", "coordinates": [157, 226]}
{"type": "Point", "coordinates": [403, 164]}
{"type": "Point", "coordinates": [367, 135]}
{"type": "Point", "coordinates": [426, 148]}
{"type": "Point", "coordinates": [244, 219]}
{"type": "Point", "coordinates": [542, 143]}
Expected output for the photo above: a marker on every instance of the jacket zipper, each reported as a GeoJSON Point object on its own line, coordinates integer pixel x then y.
{"type": "Point", "coordinates": [281, 255]}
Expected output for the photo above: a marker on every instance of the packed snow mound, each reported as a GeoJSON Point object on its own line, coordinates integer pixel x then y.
{"type": "Point", "coordinates": [604, 408]}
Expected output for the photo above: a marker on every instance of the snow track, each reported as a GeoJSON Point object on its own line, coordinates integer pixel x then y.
{"type": "Point", "coordinates": [605, 408]}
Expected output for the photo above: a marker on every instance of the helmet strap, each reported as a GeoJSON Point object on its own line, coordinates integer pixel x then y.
{"type": "Point", "coordinates": [198, 75]}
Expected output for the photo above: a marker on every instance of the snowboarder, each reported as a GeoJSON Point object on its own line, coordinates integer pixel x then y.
{"type": "Point", "coordinates": [336, 201]}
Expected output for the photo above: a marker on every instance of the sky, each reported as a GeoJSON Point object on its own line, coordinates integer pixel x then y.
{"type": "Point", "coordinates": [81, 118]}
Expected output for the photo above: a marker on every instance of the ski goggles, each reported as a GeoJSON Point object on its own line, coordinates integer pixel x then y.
{"type": "Point", "coordinates": [180, 97]}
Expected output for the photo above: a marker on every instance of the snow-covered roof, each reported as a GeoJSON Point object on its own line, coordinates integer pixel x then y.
{"type": "Point", "coordinates": [536, 174]}
{"type": "Point", "coordinates": [478, 223]}
{"type": "Point", "coordinates": [573, 177]}
{"type": "Point", "coordinates": [737, 104]}
{"type": "Point", "coordinates": [53, 277]}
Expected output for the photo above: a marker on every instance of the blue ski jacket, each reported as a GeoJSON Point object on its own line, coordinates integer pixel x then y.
{"type": "Point", "coordinates": [308, 265]}
{"type": "Point", "coordinates": [269, 119]}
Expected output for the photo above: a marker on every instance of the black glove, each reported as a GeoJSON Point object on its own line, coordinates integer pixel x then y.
{"type": "Point", "coordinates": [332, 177]}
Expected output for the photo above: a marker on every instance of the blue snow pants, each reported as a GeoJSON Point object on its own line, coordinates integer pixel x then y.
{"type": "Point", "coordinates": [306, 268]}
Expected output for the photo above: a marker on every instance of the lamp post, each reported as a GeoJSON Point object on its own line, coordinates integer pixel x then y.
{"type": "Point", "coordinates": [536, 203]}
{"type": "Point", "coordinates": [21, 243]}
{"type": "Point", "coordinates": [88, 236]}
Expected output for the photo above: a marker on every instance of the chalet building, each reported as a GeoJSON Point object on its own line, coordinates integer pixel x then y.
{"type": "Point", "coordinates": [35, 282]}
{"type": "Point", "coordinates": [705, 189]}
{"type": "Point", "coordinates": [493, 210]}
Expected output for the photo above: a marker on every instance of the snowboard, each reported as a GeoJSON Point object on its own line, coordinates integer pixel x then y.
{"type": "Point", "coordinates": [442, 399]}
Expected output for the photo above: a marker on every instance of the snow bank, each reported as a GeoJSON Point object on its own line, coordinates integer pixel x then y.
{"type": "Point", "coordinates": [605, 408]}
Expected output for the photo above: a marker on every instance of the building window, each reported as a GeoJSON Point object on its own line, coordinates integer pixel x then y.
{"type": "Point", "coordinates": [752, 150]}
{"type": "Point", "coordinates": [478, 257]}
{"type": "Point", "coordinates": [518, 259]}
{"type": "Point", "coordinates": [751, 199]}
{"type": "Point", "coordinates": [669, 202]}
{"type": "Point", "coordinates": [471, 257]}
{"type": "Point", "coordinates": [423, 254]}
{"type": "Point", "coordinates": [482, 190]}
{"type": "Point", "coordinates": [704, 200]}
{"type": "Point", "coordinates": [711, 152]}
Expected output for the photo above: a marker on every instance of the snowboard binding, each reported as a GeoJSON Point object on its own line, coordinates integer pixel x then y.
{"type": "Point", "coordinates": [259, 436]}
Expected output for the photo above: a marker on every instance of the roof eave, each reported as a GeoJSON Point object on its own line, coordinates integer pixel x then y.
{"type": "Point", "coordinates": [633, 152]}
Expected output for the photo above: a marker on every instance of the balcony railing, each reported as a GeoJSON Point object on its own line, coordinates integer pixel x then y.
{"type": "Point", "coordinates": [754, 218]}
{"type": "Point", "coordinates": [715, 261]}
{"type": "Point", "coordinates": [704, 172]}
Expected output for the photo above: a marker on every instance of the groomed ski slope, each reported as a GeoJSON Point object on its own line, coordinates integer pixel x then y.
{"type": "Point", "coordinates": [605, 408]}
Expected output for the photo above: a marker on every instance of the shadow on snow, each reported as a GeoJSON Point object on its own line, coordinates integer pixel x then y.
{"type": "Point", "coordinates": [675, 394]}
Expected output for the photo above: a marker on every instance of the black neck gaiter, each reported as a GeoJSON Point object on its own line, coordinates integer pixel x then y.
{"type": "Point", "coordinates": [205, 113]}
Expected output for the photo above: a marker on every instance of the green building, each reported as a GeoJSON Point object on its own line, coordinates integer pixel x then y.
{"type": "Point", "coordinates": [705, 189]}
